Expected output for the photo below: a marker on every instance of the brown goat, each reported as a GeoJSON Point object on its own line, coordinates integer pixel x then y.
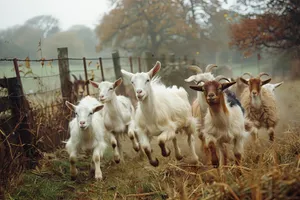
{"type": "Point", "coordinates": [224, 121]}
{"type": "Point", "coordinates": [260, 105]}
{"type": "Point", "coordinates": [78, 88]}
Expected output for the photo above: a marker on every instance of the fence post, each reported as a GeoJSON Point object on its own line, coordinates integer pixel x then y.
{"type": "Point", "coordinates": [86, 75]}
{"type": "Point", "coordinates": [101, 68]}
{"type": "Point", "coordinates": [130, 62]}
{"type": "Point", "coordinates": [64, 73]}
{"type": "Point", "coordinates": [140, 66]}
{"type": "Point", "coordinates": [18, 75]}
{"type": "Point", "coordinates": [117, 68]}
{"type": "Point", "coordinates": [149, 60]}
{"type": "Point", "coordinates": [20, 107]}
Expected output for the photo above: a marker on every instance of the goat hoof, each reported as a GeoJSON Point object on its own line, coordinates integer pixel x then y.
{"type": "Point", "coordinates": [136, 149]}
{"type": "Point", "coordinates": [117, 161]}
{"type": "Point", "coordinates": [215, 164]}
{"type": "Point", "coordinates": [154, 163]}
{"type": "Point", "coordinates": [165, 152]}
{"type": "Point", "coordinates": [92, 171]}
{"type": "Point", "coordinates": [113, 145]}
{"type": "Point", "coordinates": [98, 177]}
{"type": "Point", "coordinates": [73, 178]}
{"type": "Point", "coordinates": [179, 157]}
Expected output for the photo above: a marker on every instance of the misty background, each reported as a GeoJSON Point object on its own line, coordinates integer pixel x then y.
{"type": "Point", "coordinates": [198, 29]}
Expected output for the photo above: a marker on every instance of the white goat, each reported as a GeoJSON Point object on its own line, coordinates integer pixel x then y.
{"type": "Point", "coordinates": [86, 132]}
{"type": "Point", "coordinates": [161, 112]}
{"type": "Point", "coordinates": [199, 105]}
{"type": "Point", "coordinates": [224, 120]}
{"type": "Point", "coordinates": [272, 86]}
{"type": "Point", "coordinates": [118, 116]}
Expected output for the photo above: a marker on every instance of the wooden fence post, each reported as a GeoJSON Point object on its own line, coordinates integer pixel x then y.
{"type": "Point", "coordinates": [86, 75]}
{"type": "Point", "coordinates": [64, 73]}
{"type": "Point", "coordinates": [101, 68]}
{"type": "Point", "coordinates": [131, 66]}
{"type": "Point", "coordinates": [140, 66]}
{"type": "Point", "coordinates": [149, 60]}
{"type": "Point", "coordinates": [117, 68]}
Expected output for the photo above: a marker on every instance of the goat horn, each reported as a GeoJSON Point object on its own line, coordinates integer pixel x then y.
{"type": "Point", "coordinates": [247, 73]}
{"type": "Point", "coordinates": [198, 82]}
{"type": "Point", "coordinates": [195, 68]}
{"type": "Point", "coordinates": [75, 78]}
{"type": "Point", "coordinates": [80, 78]}
{"type": "Point", "coordinates": [262, 74]}
{"type": "Point", "coordinates": [221, 77]}
{"type": "Point", "coordinates": [210, 67]}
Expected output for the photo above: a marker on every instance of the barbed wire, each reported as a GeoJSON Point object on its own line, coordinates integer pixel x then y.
{"type": "Point", "coordinates": [57, 59]}
{"type": "Point", "coordinates": [37, 77]}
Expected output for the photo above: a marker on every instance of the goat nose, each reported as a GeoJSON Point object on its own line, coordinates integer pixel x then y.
{"type": "Point", "coordinates": [211, 95]}
{"type": "Point", "coordinates": [101, 96]}
{"type": "Point", "coordinates": [82, 122]}
{"type": "Point", "coordinates": [139, 91]}
{"type": "Point", "coordinates": [254, 92]}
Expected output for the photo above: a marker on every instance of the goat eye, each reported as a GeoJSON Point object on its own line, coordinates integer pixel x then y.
{"type": "Point", "coordinates": [91, 113]}
{"type": "Point", "coordinates": [76, 113]}
{"type": "Point", "coordinates": [110, 88]}
{"type": "Point", "coordinates": [148, 80]}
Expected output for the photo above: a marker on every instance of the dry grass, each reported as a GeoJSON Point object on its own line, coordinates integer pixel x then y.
{"type": "Point", "coordinates": [269, 171]}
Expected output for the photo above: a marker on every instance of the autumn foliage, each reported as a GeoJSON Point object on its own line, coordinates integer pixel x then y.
{"type": "Point", "coordinates": [278, 27]}
{"type": "Point", "coordinates": [148, 24]}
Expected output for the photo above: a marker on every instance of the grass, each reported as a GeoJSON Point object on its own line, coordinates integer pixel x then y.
{"type": "Point", "coordinates": [271, 172]}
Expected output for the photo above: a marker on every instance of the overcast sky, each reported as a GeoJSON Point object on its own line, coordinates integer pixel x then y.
{"type": "Point", "coordinates": [69, 12]}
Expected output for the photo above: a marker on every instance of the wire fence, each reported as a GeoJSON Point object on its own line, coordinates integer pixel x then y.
{"type": "Point", "coordinates": [41, 76]}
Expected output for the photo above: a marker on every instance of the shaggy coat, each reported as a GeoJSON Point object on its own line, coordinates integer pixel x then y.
{"type": "Point", "coordinates": [262, 112]}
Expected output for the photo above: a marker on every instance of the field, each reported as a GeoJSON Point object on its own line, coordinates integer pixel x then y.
{"type": "Point", "coordinates": [268, 172]}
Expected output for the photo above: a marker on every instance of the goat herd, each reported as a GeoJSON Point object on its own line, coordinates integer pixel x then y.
{"type": "Point", "coordinates": [218, 116]}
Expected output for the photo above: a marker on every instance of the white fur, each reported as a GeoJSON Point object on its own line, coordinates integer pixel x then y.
{"type": "Point", "coordinates": [272, 86]}
{"type": "Point", "coordinates": [161, 112]}
{"type": "Point", "coordinates": [88, 137]}
{"type": "Point", "coordinates": [118, 115]}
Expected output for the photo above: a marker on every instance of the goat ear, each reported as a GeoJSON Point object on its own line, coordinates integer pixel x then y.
{"type": "Point", "coordinates": [155, 69]}
{"type": "Point", "coordinates": [70, 105]}
{"type": "Point", "coordinates": [98, 108]}
{"type": "Point", "coordinates": [278, 84]}
{"type": "Point", "coordinates": [118, 82]}
{"type": "Point", "coordinates": [266, 81]}
{"type": "Point", "coordinates": [95, 84]}
{"type": "Point", "coordinates": [197, 87]}
{"type": "Point", "coordinates": [244, 81]}
{"type": "Point", "coordinates": [127, 74]}
{"type": "Point", "coordinates": [190, 79]}
{"type": "Point", "coordinates": [227, 85]}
